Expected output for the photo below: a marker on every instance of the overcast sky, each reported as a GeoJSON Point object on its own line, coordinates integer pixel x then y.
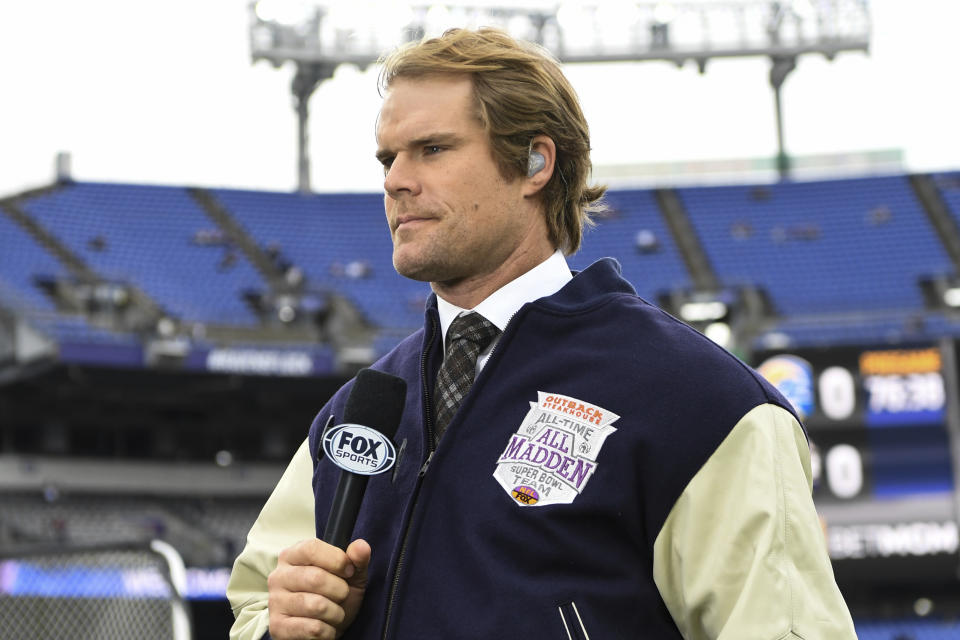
{"type": "Point", "coordinates": [165, 93]}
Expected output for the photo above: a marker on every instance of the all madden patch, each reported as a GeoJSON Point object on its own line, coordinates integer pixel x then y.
{"type": "Point", "coordinates": [554, 452]}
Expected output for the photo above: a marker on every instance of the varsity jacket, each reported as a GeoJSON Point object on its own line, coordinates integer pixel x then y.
{"type": "Point", "coordinates": [568, 499]}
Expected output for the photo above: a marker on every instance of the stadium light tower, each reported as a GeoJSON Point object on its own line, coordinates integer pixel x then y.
{"type": "Point", "coordinates": [319, 36]}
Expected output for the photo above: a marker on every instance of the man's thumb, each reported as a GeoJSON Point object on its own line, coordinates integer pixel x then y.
{"type": "Point", "coordinates": [358, 552]}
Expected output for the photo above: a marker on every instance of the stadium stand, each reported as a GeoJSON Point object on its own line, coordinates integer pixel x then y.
{"type": "Point", "coordinates": [339, 241]}
{"type": "Point", "coordinates": [634, 232]}
{"type": "Point", "coordinates": [207, 532]}
{"type": "Point", "coordinates": [147, 235]}
{"type": "Point", "coordinates": [821, 247]}
{"type": "Point", "coordinates": [841, 262]}
{"type": "Point", "coordinates": [838, 260]}
{"type": "Point", "coordinates": [21, 262]}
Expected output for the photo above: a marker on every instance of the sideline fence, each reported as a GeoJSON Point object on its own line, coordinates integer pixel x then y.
{"type": "Point", "coordinates": [109, 591]}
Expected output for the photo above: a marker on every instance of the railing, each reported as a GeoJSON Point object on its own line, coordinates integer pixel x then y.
{"type": "Point", "coordinates": [104, 591]}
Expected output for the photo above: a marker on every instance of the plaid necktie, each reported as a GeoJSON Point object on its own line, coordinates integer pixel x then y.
{"type": "Point", "coordinates": [467, 336]}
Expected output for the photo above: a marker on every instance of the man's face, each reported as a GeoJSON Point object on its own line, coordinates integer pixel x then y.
{"type": "Point", "coordinates": [453, 217]}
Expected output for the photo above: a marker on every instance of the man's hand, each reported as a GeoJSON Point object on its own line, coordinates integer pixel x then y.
{"type": "Point", "coordinates": [316, 589]}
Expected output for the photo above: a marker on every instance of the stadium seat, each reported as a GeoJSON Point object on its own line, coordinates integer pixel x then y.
{"type": "Point", "coordinates": [145, 235]}
{"type": "Point", "coordinates": [340, 241]}
{"type": "Point", "coordinates": [653, 268]}
{"type": "Point", "coordinates": [854, 245]}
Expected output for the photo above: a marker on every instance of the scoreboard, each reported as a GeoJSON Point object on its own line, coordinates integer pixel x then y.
{"type": "Point", "coordinates": [878, 424]}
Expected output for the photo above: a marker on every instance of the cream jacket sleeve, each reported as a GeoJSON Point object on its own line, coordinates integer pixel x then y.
{"type": "Point", "coordinates": [286, 518]}
{"type": "Point", "coordinates": [742, 554]}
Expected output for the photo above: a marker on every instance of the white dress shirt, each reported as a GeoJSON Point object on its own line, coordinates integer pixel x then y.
{"type": "Point", "coordinates": [543, 280]}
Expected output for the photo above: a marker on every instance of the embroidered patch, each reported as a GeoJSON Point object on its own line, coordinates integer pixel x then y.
{"type": "Point", "coordinates": [554, 452]}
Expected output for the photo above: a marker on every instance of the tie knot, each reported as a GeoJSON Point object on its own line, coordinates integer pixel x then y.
{"type": "Point", "coordinates": [473, 327]}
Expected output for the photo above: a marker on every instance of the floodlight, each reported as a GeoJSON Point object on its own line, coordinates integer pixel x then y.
{"type": "Point", "coordinates": [389, 22]}
{"type": "Point", "coordinates": [319, 36]}
{"type": "Point", "coordinates": [571, 16]}
{"type": "Point", "coordinates": [522, 26]}
{"type": "Point", "coordinates": [951, 297]}
{"type": "Point", "coordinates": [664, 12]}
{"type": "Point", "coordinates": [348, 17]}
{"type": "Point", "coordinates": [617, 15]}
{"type": "Point", "coordinates": [720, 333]}
{"type": "Point", "coordinates": [803, 9]}
{"type": "Point", "coordinates": [703, 311]}
{"type": "Point", "coordinates": [285, 12]}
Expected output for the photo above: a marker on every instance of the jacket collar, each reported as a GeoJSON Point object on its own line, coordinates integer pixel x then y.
{"type": "Point", "coordinates": [600, 278]}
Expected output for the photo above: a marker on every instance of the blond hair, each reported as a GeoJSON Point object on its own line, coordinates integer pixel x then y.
{"type": "Point", "coordinates": [520, 93]}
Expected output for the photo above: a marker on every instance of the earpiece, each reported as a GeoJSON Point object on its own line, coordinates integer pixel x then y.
{"type": "Point", "coordinates": [535, 162]}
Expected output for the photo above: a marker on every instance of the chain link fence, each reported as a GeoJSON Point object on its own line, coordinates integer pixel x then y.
{"type": "Point", "coordinates": [105, 591]}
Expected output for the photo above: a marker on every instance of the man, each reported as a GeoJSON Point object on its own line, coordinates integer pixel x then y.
{"type": "Point", "coordinates": [610, 473]}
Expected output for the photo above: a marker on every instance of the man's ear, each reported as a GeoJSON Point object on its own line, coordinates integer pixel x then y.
{"type": "Point", "coordinates": [540, 169]}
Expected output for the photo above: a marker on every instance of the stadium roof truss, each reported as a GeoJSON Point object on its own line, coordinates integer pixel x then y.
{"type": "Point", "coordinates": [318, 37]}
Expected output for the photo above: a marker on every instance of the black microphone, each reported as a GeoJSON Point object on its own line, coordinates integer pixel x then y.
{"type": "Point", "coordinates": [362, 446]}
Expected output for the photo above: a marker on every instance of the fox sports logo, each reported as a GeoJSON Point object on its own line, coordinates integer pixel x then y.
{"type": "Point", "coordinates": [359, 449]}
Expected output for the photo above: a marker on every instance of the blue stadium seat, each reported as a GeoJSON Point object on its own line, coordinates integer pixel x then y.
{"type": "Point", "coordinates": [324, 234]}
{"type": "Point", "coordinates": [820, 247]}
{"type": "Point", "coordinates": [633, 212]}
{"type": "Point", "coordinates": [21, 261]}
{"type": "Point", "coordinates": [852, 250]}
{"type": "Point", "coordinates": [144, 235]}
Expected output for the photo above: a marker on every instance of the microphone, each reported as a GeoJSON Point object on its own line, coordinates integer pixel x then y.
{"type": "Point", "coordinates": [362, 446]}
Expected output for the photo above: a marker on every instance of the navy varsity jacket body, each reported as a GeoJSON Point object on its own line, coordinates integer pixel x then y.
{"type": "Point", "coordinates": [536, 515]}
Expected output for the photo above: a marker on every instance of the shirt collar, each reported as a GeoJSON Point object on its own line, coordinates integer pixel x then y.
{"type": "Point", "coordinates": [545, 279]}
